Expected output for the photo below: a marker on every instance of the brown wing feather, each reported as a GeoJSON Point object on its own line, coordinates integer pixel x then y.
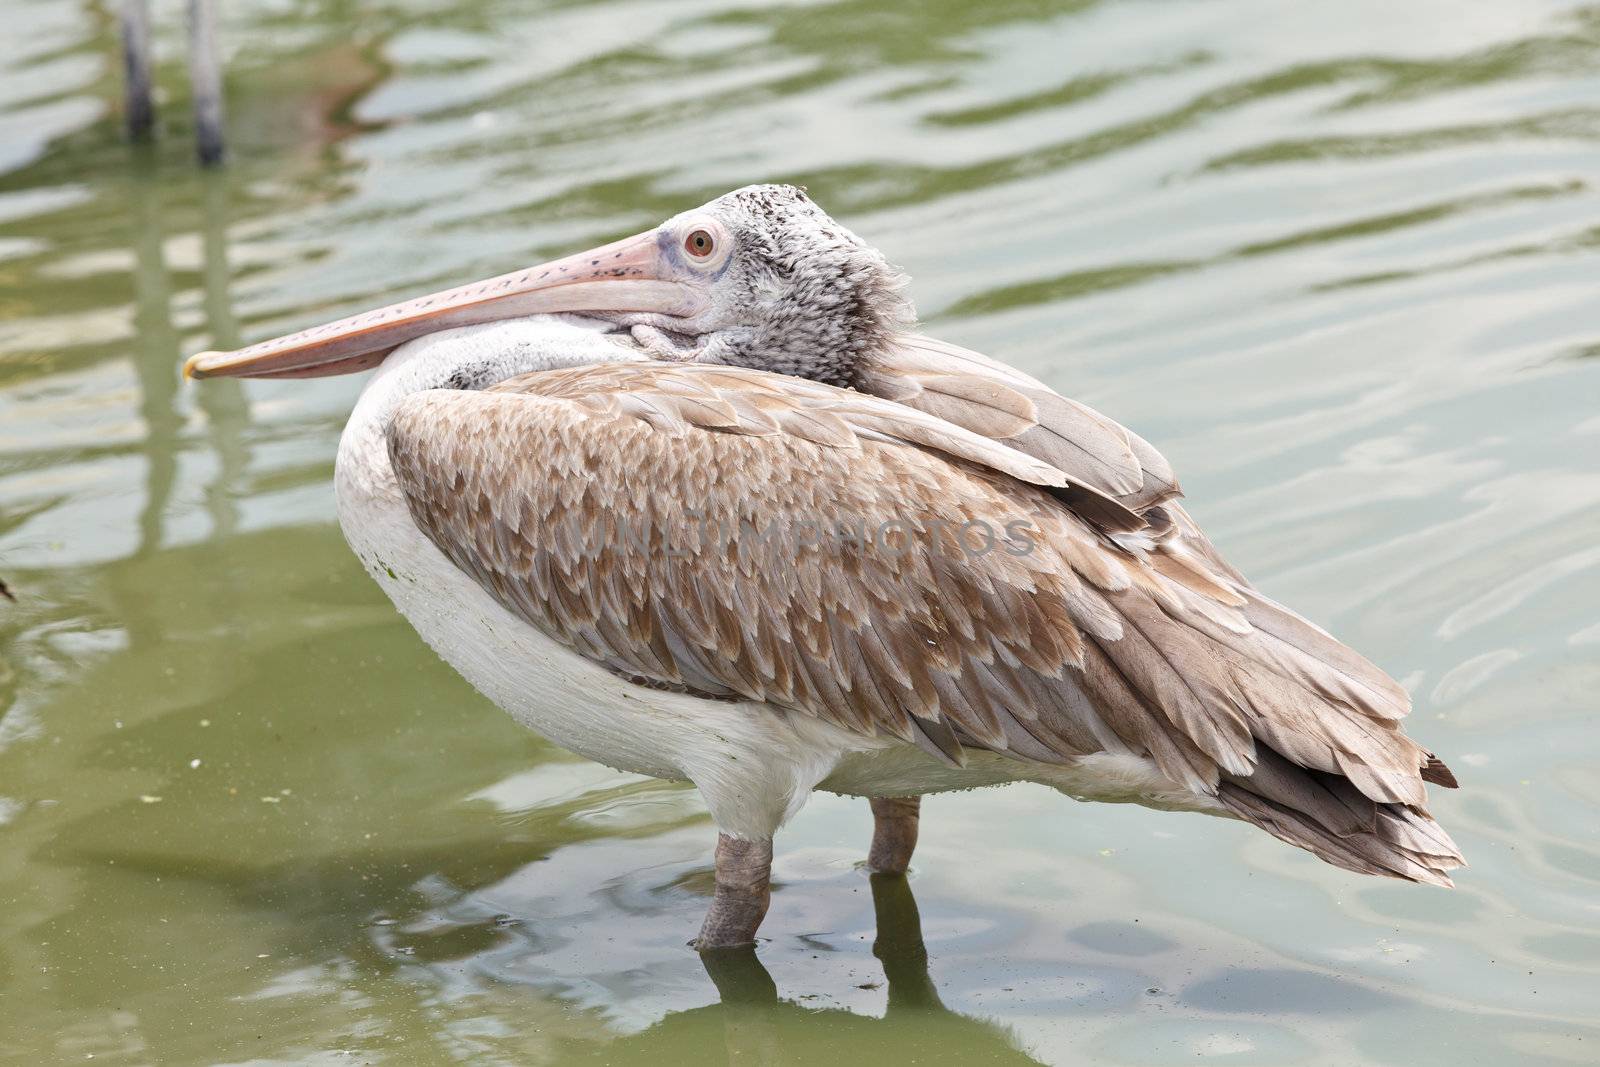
{"type": "Point", "coordinates": [681, 524]}
{"type": "Point", "coordinates": [1330, 735]}
{"type": "Point", "coordinates": [999, 401]}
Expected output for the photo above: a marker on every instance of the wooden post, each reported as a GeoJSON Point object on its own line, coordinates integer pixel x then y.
{"type": "Point", "coordinates": [139, 112]}
{"type": "Point", "coordinates": [205, 73]}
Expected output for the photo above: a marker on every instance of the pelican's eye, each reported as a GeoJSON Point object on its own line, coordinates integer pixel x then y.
{"type": "Point", "coordinates": [699, 244]}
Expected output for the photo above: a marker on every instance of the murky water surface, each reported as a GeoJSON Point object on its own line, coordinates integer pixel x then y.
{"type": "Point", "coordinates": [1340, 261]}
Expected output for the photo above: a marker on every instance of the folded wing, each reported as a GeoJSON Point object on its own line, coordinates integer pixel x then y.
{"type": "Point", "coordinates": [908, 571]}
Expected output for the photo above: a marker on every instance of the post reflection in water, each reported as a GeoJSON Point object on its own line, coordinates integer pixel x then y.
{"type": "Point", "coordinates": [158, 387]}
{"type": "Point", "coordinates": [1339, 268]}
{"type": "Point", "coordinates": [157, 356]}
{"type": "Point", "coordinates": [159, 350]}
{"type": "Point", "coordinates": [226, 411]}
{"type": "Point", "coordinates": [761, 1027]}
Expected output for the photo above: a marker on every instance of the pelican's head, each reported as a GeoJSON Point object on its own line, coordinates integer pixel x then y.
{"type": "Point", "coordinates": [760, 277]}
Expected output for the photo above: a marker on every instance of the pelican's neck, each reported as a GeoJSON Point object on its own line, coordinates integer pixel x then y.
{"type": "Point", "coordinates": [473, 357]}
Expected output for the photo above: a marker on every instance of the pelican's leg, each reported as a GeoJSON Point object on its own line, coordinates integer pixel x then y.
{"type": "Point", "coordinates": [744, 889]}
{"type": "Point", "coordinates": [894, 833]}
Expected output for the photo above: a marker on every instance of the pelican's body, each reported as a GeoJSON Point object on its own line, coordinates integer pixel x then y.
{"type": "Point", "coordinates": [755, 763]}
{"type": "Point", "coordinates": [698, 505]}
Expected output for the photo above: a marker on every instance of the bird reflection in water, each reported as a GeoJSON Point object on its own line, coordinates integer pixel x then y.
{"type": "Point", "coordinates": [760, 1027]}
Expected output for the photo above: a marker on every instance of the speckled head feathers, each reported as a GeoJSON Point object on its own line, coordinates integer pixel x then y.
{"type": "Point", "coordinates": [799, 293]}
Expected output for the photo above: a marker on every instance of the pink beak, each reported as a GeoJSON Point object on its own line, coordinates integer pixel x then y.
{"type": "Point", "coordinates": [625, 276]}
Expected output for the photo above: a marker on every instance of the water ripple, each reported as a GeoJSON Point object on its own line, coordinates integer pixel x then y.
{"type": "Point", "coordinates": [1339, 266]}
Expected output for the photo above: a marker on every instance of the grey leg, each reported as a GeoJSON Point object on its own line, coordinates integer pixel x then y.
{"type": "Point", "coordinates": [894, 833]}
{"type": "Point", "coordinates": [744, 889]}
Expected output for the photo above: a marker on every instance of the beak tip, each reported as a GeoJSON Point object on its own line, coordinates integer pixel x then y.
{"type": "Point", "coordinates": [191, 366]}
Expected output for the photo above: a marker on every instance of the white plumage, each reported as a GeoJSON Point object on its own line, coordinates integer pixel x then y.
{"type": "Point", "coordinates": [753, 360]}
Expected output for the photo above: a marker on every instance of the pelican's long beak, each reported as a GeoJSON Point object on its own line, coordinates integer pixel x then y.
{"type": "Point", "coordinates": [630, 275]}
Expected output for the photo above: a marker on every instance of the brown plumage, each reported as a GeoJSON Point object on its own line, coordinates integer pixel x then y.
{"type": "Point", "coordinates": [812, 543]}
{"type": "Point", "coordinates": [744, 534]}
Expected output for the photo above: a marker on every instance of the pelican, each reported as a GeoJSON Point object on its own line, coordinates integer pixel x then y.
{"type": "Point", "coordinates": [701, 504]}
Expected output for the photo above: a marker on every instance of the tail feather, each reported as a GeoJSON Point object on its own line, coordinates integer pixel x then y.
{"type": "Point", "coordinates": [1326, 815]}
{"type": "Point", "coordinates": [1436, 772]}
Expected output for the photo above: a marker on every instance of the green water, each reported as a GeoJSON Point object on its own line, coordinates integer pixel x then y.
{"type": "Point", "coordinates": [1341, 262]}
